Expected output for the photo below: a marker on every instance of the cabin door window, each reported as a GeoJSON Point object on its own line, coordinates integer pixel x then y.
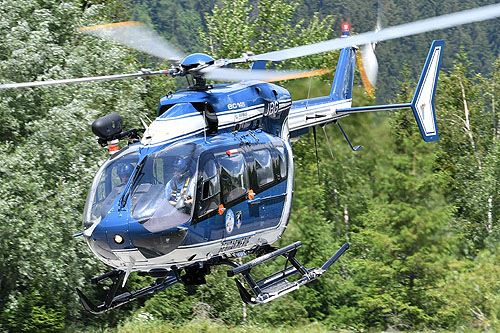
{"type": "Point", "coordinates": [209, 188]}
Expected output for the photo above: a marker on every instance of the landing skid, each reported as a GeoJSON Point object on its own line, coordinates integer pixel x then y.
{"type": "Point", "coordinates": [112, 301]}
{"type": "Point", "coordinates": [276, 285]}
{"type": "Point", "coordinates": [262, 291]}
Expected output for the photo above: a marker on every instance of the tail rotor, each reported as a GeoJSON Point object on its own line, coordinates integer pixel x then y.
{"type": "Point", "coordinates": [367, 59]}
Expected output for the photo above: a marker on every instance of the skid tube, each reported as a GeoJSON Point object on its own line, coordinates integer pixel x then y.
{"type": "Point", "coordinates": [276, 285]}
{"type": "Point", "coordinates": [262, 291]}
{"type": "Point", "coordinates": [113, 301]}
{"type": "Point", "coordinates": [192, 275]}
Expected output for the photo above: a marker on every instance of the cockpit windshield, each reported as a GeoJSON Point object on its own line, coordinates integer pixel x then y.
{"type": "Point", "coordinates": [163, 191]}
{"type": "Point", "coordinates": [108, 183]}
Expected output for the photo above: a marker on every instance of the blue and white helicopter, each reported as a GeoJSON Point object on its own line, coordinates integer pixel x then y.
{"type": "Point", "coordinates": [211, 178]}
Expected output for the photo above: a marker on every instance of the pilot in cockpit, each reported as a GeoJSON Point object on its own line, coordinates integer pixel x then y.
{"type": "Point", "coordinates": [180, 189]}
{"type": "Point", "coordinates": [124, 171]}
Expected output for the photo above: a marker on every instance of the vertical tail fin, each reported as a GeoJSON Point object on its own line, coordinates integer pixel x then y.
{"type": "Point", "coordinates": [344, 74]}
{"type": "Point", "coordinates": [423, 100]}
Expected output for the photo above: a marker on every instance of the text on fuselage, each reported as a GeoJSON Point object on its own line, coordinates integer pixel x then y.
{"type": "Point", "coordinates": [237, 105]}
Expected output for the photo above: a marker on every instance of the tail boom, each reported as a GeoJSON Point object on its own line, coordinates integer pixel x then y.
{"type": "Point", "coordinates": [325, 110]}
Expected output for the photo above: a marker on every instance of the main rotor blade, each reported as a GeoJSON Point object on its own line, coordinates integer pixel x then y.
{"type": "Point", "coordinates": [430, 24]}
{"type": "Point", "coordinates": [79, 80]}
{"type": "Point", "coordinates": [317, 72]}
{"type": "Point", "coordinates": [235, 75]}
{"type": "Point", "coordinates": [137, 36]}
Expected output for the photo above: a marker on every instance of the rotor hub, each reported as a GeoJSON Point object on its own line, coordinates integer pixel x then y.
{"type": "Point", "coordinates": [196, 59]}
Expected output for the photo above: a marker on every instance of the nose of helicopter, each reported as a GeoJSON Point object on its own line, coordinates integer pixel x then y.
{"type": "Point", "coordinates": [118, 232]}
{"type": "Point", "coordinates": [110, 234]}
{"type": "Point", "coordinates": [114, 230]}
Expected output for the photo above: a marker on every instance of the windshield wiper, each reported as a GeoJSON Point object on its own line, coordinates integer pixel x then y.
{"type": "Point", "coordinates": [131, 184]}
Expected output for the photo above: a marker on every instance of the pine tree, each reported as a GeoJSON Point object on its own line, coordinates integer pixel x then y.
{"type": "Point", "coordinates": [402, 250]}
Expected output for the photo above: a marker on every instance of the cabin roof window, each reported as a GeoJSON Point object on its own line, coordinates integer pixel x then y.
{"type": "Point", "coordinates": [163, 108]}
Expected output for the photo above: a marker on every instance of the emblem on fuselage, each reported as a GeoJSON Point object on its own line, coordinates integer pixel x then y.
{"type": "Point", "coordinates": [237, 217]}
{"type": "Point", "coordinates": [229, 221]}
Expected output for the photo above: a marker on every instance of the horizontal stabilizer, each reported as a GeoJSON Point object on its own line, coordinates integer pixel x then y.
{"type": "Point", "coordinates": [422, 104]}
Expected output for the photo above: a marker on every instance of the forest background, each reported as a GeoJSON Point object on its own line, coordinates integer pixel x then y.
{"type": "Point", "coordinates": [422, 219]}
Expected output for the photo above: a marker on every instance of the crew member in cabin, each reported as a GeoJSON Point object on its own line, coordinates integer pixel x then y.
{"type": "Point", "coordinates": [180, 189]}
{"type": "Point", "coordinates": [124, 172]}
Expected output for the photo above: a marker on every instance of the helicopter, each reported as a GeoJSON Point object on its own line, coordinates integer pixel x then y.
{"type": "Point", "coordinates": [211, 179]}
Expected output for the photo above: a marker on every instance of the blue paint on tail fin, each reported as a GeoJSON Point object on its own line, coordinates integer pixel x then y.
{"type": "Point", "coordinates": [258, 65]}
{"type": "Point", "coordinates": [423, 100]}
{"type": "Point", "coordinates": [344, 75]}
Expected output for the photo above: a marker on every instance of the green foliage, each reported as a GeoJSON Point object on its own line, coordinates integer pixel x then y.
{"type": "Point", "coordinates": [216, 300]}
{"type": "Point", "coordinates": [239, 26]}
{"type": "Point", "coordinates": [33, 314]}
{"type": "Point", "coordinates": [177, 21]}
{"type": "Point", "coordinates": [49, 156]}
{"type": "Point", "coordinates": [404, 243]}
{"type": "Point", "coordinates": [207, 326]}
{"type": "Point", "coordinates": [471, 291]}
{"type": "Point", "coordinates": [469, 152]}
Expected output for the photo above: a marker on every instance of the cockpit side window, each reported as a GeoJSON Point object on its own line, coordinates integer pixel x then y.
{"type": "Point", "coordinates": [235, 181]}
{"type": "Point", "coordinates": [161, 193]}
{"type": "Point", "coordinates": [209, 188]}
{"type": "Point", "coordinates": [109, 183]}
{"type": "Point", "coordinates": [163, 189]}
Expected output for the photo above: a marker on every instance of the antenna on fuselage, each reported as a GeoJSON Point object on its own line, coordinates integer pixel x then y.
{"type": "Point", "coordinates": [309, 92]}
{"type": "Point", "coordinates": [206, 124]}
{"type": "Point", "coordinates": [316, 151]}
